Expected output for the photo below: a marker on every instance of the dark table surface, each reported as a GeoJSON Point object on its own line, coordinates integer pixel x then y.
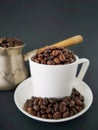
{"type": "Point", "coordinates": [39, 23]}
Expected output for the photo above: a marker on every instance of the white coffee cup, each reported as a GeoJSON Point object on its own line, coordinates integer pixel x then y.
{"type": "Point", "coordinates": [56, 80]}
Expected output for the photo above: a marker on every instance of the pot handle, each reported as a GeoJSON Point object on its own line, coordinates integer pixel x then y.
{"type": "Point", "coordinates": [67, 42]}
{"type": "Point", "coordinates": [26, 56]}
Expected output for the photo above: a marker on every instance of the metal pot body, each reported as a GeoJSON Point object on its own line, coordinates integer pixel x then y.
{"type": "Point", "coordinates": [12, 67]}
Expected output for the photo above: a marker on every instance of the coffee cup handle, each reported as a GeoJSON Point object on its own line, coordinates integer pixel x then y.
{"type": "Point", "coordinates": [85, 63]}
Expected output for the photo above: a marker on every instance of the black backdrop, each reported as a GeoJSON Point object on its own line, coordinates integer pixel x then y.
{"type": "Point", "coordinates": [43, 22]}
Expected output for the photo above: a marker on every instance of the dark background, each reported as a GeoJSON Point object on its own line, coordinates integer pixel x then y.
{"type": "Point", "coordinates": [43, 22]}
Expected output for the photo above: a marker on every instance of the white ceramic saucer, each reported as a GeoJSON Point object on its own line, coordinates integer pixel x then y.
{"type": "Point", "coordinates": [25, 89]}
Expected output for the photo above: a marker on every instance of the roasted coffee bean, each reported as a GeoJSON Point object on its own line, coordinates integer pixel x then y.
{"type": "Point", "coordinates": [78, 101]}
{"type": "Point", "coordinates": [71, 60]}
{"type": "Point", "coordinates": [62, 107]}
{"type": "Point", "coordinates": [41, 55]}
{"type": "Point", "coordinates": [38, 114]}
{"type": "Point", "coordinates": [57, 115]}
{"type": "Point", "coordinates": [54, 56]}
{"type": "Point", "coordinates": [78, 108]}
{"type": "Point", "coordinates": [29, 103]}
{"type": "Point", "coordinates": [52, 111]}
{"type": "Point", "coordinates": [32, 112]}
{"type": "Point", "coordinates": [66, 101]}
{"type": "Point", "coordinates": [43, 62]}
{"type": "Point", "coordinates": [55, 108]}
{"type": "Point", "coordinates": [52, 100]}
{"type": "Point", "coordinates": [40, 101]}
{"type": "Point", "coordinates": [71, 113]}
{"type": "Point", "coordinates": [42, 112]}
{"type": "Point", "coordinates": [56, 60]}
{"type": "Point", "coordinates": [55, 52]}
{"type": "Point", "coordinates": [29, 109]}
{"type": "Point", "coordinates": [48, 110]}
{"type": "Point", "coordinates": [25, 106]}
{"type": "Point", "coordinates": [45, 54]}
{"type": "Point", "coordinates": [32, 98]}
{"type": "Point", "coordinates": [40, 59]}
{"type": "Point", "coordinates": [47, 51]}
{"type": "Point", "coordinates": [50, 116]}
{"type": "Point", "coordinates": [37, 61]}
{"type": "Point", "coordinates": [50, 62]}
{"type": "Point", "coordinates": [62, 57]}
{"type": "Point", "coordinates": [50, 105]}
{"type": "Point", "coordinates": [36, 107]}
{"type": "Point", "coordinates": [35, 101]}
{"type": "Point", "coordinates": [74, 110]}
{"type": "Point", "coordinates": [43, 107]}
{"type": "Point", "coordinates": [77, 93]}
{"type": "Point", "coordinates": [44, 116]}
{"type": "Point", "coordinates": [72, 103]}
{"type": "Point", "coordinates": [81, 98]}
{"type": "Point", "coordinates": [45, 101]}
{"type": "Point", "coordinates": [66, 114]}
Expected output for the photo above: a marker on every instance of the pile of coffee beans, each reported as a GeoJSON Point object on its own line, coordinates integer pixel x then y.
{"type": "Point", "coordinates": [55, 108]}
{"type": "Point", "coordinates": [6, 42]}
{"type": "Point", "coordinates": [54, 56]}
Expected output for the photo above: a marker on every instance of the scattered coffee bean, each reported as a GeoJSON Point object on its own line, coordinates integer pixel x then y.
{"type": "Point", "coordinates": [36, 107]}
{"type": "Point", "coordinates": [29, 109]}
{"type": "Point", "coordinates": [55, 108]}
{"type": "Point", "coordinates": [72, 103]}
{"type": "Point", "coordinates": [48, 110]}
{"type": "Point", "coordinates": [66, 114]}
{"type": "Point", "coordinates": [6, 42]}
{"type": "Point", "coordinates": [45, 101]}
{"type": "Point", "coordinates": [42, 112]}
{"type": "Point", "coordinates": [38, 114]}
{"type": "Point", "coordinates": [54, 56]}
{"type": "Point", "coordinates": [62, 107]}
{"type": "Point", "coordinates": [57, 115]}
{"type": "Point", "coordinates": [44, 116]}
{"type": "Point", "coordinates": [43, 107]}
{"type": "Point", "coordinates": [50, 116]}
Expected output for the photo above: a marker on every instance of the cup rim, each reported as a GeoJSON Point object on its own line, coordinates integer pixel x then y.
{"type": "Point", "coordinates": [77, 58]}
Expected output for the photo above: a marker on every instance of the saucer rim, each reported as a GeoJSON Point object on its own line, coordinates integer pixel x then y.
{"type": "Point", "coordinates": [20, 86]}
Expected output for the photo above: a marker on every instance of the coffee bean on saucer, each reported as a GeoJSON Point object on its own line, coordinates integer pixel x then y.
{"type": "Point", "coordinates": [57, 115]}
{"type": "Point", "coordinates": [55, 108]}
{"type": "Point", "coordinates": [72, 103]}
{"type": "Point", "coordinates": [66, 114]}
{"type": "Point", "coordinates": [36, 107]}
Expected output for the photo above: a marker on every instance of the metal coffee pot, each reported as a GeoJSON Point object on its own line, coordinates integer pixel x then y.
{"type": "Point", "coordinates": [12, 67]}
{"type": "Point", "coordinates": [12, 63]}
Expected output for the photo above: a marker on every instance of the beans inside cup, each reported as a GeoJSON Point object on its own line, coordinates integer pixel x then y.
{"type": "Point", "coordinates": [54, 56]}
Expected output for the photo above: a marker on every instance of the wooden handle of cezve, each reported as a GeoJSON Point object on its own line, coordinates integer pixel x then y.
{"type": "Point", "coordinates": [67, 42]}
